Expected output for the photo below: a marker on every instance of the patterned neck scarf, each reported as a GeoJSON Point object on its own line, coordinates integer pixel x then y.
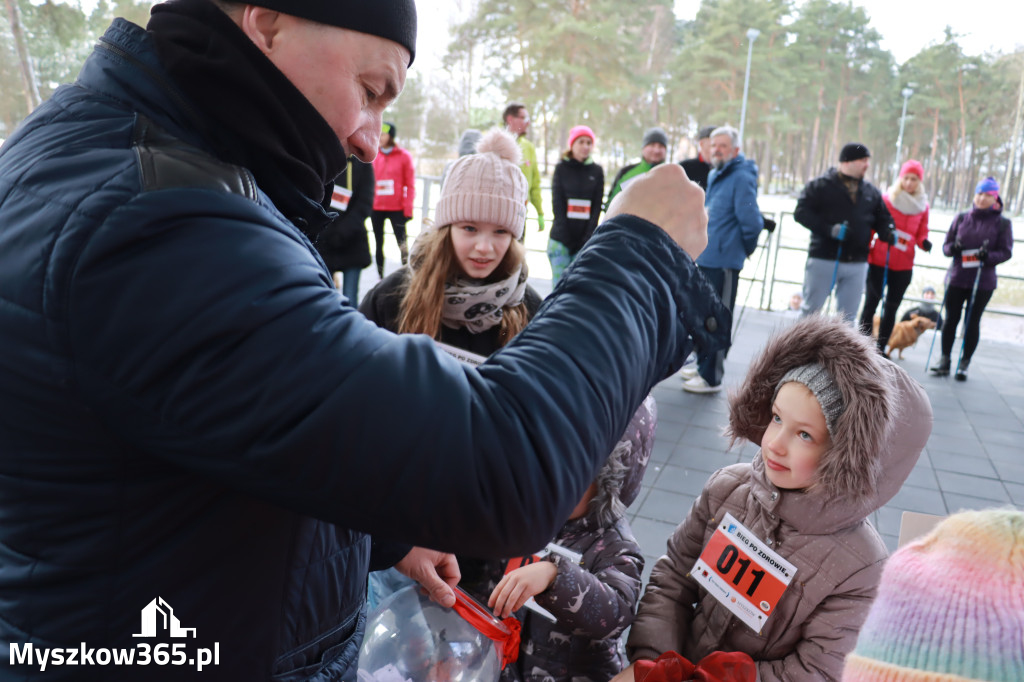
{"type": "Point", "coordinates": [478, 305]}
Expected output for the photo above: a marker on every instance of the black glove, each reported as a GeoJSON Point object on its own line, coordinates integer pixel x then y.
{"type": "Point", "coordinates": [927, 246]}
{"type": "Point", "coordinates": [958, 247]}
{"type": "Point", "coordinates": [983, 253]}
{"type": "Point", "coordinates": [890, 238]}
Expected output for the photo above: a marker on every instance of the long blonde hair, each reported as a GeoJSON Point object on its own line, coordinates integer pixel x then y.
{"type": "Point", "coordinates": [433, 265]}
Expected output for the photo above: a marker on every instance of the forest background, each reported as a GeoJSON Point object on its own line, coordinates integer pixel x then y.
{"type": "Point", "coordinates": [819, 78]}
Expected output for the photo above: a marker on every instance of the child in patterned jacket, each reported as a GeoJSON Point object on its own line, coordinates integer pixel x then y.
{"type": "Point", "coordinates": [594, 600]}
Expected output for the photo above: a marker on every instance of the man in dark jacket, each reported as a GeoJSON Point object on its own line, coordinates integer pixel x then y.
{"type": "Point", "coordinates": [841, 210]}
{"type": "Point", "coordinates": [698, 168]}
{"type": "Point", "coordinates": [198, 434]}
{"type": "Point", "coordinates": [734, 223]}
{"type": "Point", "coordinates": [343, 244]}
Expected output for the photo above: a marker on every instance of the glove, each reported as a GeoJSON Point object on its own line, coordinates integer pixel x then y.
{"type": "Point", "coordinates": [540, 223]}
{"type": "Point", "coordinates": [927, 246]}
{"type": "Point", "coordinates": [839, 232]}
{"type": "Point", "coordinates": [889, 239]}
{"type": "Point", "coordinates": [958, 247]}
{"type": "Point", "coordinates": [983, 253]}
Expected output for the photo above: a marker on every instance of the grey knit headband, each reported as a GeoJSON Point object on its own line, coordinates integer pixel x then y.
{"type": "Point", "coordinates": [820, 383]}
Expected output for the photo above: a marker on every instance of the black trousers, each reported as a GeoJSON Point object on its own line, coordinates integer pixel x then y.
{"type": "Point", "coordinates": [958, 298]}
{"type": "Point", "coordinates": [897, 284]}
{"type": "Point", "coordinates": [397, 219]}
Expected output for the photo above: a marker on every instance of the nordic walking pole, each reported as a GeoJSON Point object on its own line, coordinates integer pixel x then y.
{"type": "Point", "coordinates": [970, 307]}
{"type": "Point", "coordinates": [835, 271]}
{"type": "Point", "coordinates": [931, 347]}
{"type": "Point", "coordinates": [885, 287]}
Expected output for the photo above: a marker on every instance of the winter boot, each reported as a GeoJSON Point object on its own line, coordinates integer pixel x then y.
{"type": "Point", "coordinates": [961, 371]}
{"type": "Point", "coordinates": [942, 369]}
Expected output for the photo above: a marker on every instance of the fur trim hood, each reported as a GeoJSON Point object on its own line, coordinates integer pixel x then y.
{"type": "Point", "coordinates": [618, 481]}
{"type": "Point", "coordinates": [878, 437]}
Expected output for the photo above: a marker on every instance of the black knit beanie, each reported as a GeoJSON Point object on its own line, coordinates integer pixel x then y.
{"type": "Point", "coordinates": [853, 152]}
{"type": "Point", "coordinates": [391, 19]}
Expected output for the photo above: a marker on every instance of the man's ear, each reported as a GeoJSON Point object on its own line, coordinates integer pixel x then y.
{"type": "Point", "coordinates": [261, 25]}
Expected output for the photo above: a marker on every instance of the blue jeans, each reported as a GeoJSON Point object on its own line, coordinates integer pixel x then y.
{"type": "Point", "coordinates": [711, 366]}
{"type": "Point", "coordinates": [350, 285]}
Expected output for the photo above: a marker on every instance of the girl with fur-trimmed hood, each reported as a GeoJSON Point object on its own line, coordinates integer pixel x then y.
{"type": "Point", "coordinates": [840, 428]}
{"type": "Point", "coordinates": [594, 600]}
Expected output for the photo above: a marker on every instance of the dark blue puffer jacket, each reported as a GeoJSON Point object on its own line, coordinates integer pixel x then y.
{"type": "Point", "coordinates": [190, 411]}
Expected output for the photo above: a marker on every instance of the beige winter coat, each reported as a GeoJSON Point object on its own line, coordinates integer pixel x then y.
{"type": "Point", "coordinates": [823, 531]}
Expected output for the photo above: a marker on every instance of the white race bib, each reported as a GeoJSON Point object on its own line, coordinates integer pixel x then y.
{"type": "Point", "coordinates": [969, 259]}
{"type": "Point", "coordinates": [742, 573]}
{"type": "Point", "coordinates": [579, 209]}
{"type": "Point", "coordinates": [461, 355]}
{"type": "Point", "coordinates": [386, 188]}
{"type": "Point", "coordinates": [340, 198]}
{"type": "Point", "coordinates": [903, 240]}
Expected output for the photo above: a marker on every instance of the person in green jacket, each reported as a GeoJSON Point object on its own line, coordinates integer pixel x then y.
{"type": "Point", "coordinates": [517, 121]}
{"type": "Point", "coordinates": [653, 152]}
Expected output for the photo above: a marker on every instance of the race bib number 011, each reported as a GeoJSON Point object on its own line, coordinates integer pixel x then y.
{"type": "Point", "coordinates": [745, 576]}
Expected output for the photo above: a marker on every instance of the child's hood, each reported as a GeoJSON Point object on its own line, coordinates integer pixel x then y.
{"type": "Point", "coordinates": [884, 426]}
{"type": "Point", "coordinates": [618, 481]}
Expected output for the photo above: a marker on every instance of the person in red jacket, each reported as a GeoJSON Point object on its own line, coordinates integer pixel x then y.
{"type": "Point", "coordinates": [908, 204]}
{"type": "Point", "coordinates": [396, 190]}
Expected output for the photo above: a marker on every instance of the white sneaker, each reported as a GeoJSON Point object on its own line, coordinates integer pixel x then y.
{"type": "Point", "coordinates": [698, 385]}
{"type": "Point", "coordinates": [688, 372]}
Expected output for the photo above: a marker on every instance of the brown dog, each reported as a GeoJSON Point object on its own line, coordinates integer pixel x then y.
{"type": "Point", "coordinates": [904, 334]}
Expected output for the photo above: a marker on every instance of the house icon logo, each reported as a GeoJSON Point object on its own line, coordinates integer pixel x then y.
{"type": "Point", "coordinates": [158, 618]}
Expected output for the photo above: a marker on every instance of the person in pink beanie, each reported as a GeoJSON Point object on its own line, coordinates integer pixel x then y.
{"type": "Point", "coordinates": [466, 280]}
{"type": "Point", "coordinates": [576, 191]}
{"type": "Point", "coordinates": [950, 607]}
{"type": "Point", "coordinates": [890, 267]}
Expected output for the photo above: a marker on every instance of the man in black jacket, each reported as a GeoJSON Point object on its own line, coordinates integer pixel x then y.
{"type": "Point", "coordinates": [698, 168]}
{"type": "Point", "coordinates": [841, 210]}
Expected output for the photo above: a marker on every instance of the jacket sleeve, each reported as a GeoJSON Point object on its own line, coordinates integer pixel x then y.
{"type": "Point", "coordinates": [747, 213]}
{"type": "Point", "coordinates": [220, 346]}
{"type": "Point", "coordinates": [882, 223]}
{"type": "Point", "coordinates": [666, 610]}
{"type": "Point", "coordinates": [1003, 248]}
{"type": "Point", "coordinates": [951, 235]}
{"type": "Point", "coordinates": [595, 203]}
{"type": "Point", "coordinates": [828, 634]}
{"type": "Point", "coordinates": [808, 211]}
{"type": "Point", "coordinates": [533, 179]}
{"type": "Point", "coordinates": [353, 221]}
{"type": "Point", "coordinates": [409, 183]}
{"type": "Point", "coordinates": [597, 603]}
{"type": "Point", "coordinates": [559, 201]}
{"type": "Point", "coordinates": [615, 186]}
{"type": "Point", "coordinates": [922, 228]}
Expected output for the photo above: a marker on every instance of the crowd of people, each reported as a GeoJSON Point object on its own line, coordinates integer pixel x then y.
{"type": "Point", "coordinates": [197, 407]}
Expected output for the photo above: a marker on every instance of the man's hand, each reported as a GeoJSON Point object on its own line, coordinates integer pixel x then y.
{"type": "Point", "coordinates": [839, 232]}
{"type": "Point", "coordinates": [516, 587]}
{"type": "Point", "coordinates": [666, 197]}
{"type": "Point", "coordinates": [436, 571]}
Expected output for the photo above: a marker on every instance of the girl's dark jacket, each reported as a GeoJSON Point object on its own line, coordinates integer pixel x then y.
{"type": "Point", "coordinates": [189, 409]}
{"type": "Point", "coordinates": [382, 304]}
{"type": "Point", "coordinates": [343, 244]}
{"type": "Point", "coordinates": [575, 180]}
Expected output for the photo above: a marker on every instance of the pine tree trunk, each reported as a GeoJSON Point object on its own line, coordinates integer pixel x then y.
{"type": "Point", "coordinates": [28, 78]}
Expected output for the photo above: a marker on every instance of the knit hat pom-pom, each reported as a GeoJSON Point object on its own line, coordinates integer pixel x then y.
{"type": "Point", "coordinates": [501, 143]}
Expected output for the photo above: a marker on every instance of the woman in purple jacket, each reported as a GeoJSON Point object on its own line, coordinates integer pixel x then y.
{"type": "Point", "coordinates": [978, 240]}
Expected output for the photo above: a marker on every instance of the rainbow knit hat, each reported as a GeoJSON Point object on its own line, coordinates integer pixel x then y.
{"type": "Point", "coordinates": [950, 607]}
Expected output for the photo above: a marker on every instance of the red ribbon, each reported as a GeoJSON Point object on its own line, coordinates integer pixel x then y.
{"type": "Point", "coordinates": [504, 633]}
{"type": "Point", "coordinates": [718, 666]}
